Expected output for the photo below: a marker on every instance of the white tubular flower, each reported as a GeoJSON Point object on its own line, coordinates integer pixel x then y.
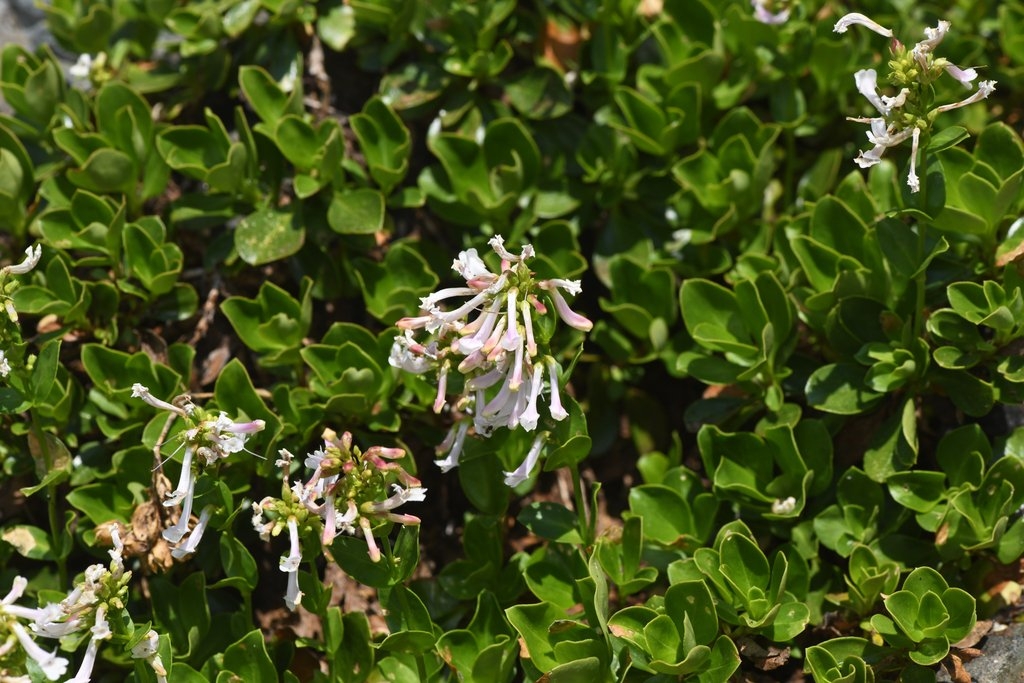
{"type": "Point", "coordinates": [223, 436]}
{"type": "Point", "coordinates": [399, 497]}
{"type": "Point", "coordinates": [190, 545]}
{"type": "Point", "coordinates": [292, 595]}
{"type": "Point", "coordinates": [558, 413]}
{"type": "Point", "coordinates": [32, 256]}
{"type": "Point", "coordinates": [882, 137]}
{"type": "Point", "coordinates": [453, 445]}
{"type": "Point", "coordinates": [117, 552]}
{"type": "Point", "coordinates": [260, 525]}
{"type": "Point", "coordinates": [17, 590]}
{"type": "Point", "coordinates": [100, 631]}
{"type": "Point", "coordinates": [371, 542]}
{"type": "Point", "coordinates": [178, 531]}
{"type": "Point", "coordinates": [985, 88]}
{"type": "Point", "coordinates": [857, 19]}
{"type": "Point", "coordinates": [5, 367]}
{"type": "Point", "coordinates": [522, 473]}
{"type": "Point", "coordinates": [498, 244]}
{"type": "Point", "coordinates": [530, 416]}
{"type": "Point", "coordinates": [186, 480]}
{"type": "Point", "coordinates": [766, 16]}
{"type": "Point", "coordinates": [964, 76]}
{"type": "Point", "coordinates": [568, 316]}
{"type": "Point", "coordinates": [442, 386]}
{"type": "Point", "coordinates": [867, 85]}
{"type": "Point", "coordinates": [53, 620]}
{"type": "Point", "coordinates": [140, 391]}
{"type": "Point", "coordinates": [932, 38]}
{"type": "Point", "coordinates": [290, 562]}
{"type": "Point", "coordinates": [53, 666]}
{"type": "Point", "coordinates": [912, 180]}
{"type": "Point", "coordinates": [471, 267]}
{"type": "Point", "coordinates": [147, 649]}
{"type": "Point", "coordinates": [406, 354]}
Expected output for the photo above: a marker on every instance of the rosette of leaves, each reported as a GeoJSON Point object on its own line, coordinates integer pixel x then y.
{"type": "Point", "coordinates": [925, 617]}
{"type": "Point", "coordinates": [869, 576]}
{"type": "Point", "coordinates": [677, 511]}
{"type": "Point", "coordinates": [843, 660]}
{"type": "Point", "coordinates": [750, 593]}
{"type": "Point", "coordinates": [976, 339]}
{"type": "Point", "coordinates": [641, 332]}
{"type": "Point", "coordinates": [974, 503]}
{"type": "Point", "coordinates": [743, 337]}
{"type": "Point", "coordinates": [759, 472]}
{"type": "Point", "coordinates": [856, 517]}
{"type": "Point", "coordinates": [677, 635]}
{"type": "Point", "coordinates": [350, 375]}
{"type": "Point", "coordinates": [488, 174]}
{"type": "Point", "coordinates": [113, 147]}
{"type": "Point", "coordinates": [274, 323]}
{"type": "Point", "coordinates": [983, 186]}
{"type": "Point", "coordinates": [725, 182]}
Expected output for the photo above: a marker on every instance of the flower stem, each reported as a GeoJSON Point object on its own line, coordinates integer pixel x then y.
{"type": "Point", "coordinates": [586, 521]}
{"type": "Point", "coordinates": [921, 280]}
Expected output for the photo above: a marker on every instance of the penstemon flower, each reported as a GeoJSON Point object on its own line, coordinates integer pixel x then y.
{"type": "Point", "coordinates": [207, 439]}
{"type": "Point", "coordinates": [349, 491]}
{"type": "Point", "coordinates": [909, 114]}
{"type": "Point", "coordinates": [488, 333]}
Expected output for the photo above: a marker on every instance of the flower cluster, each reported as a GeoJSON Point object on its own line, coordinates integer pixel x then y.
{"type": "Point", "coordinates": [349, 490]}
{"type": "Point", "coordinates": [207, 439]}
{"type": "Point", "coordinates": [91, 607]}
{"type": "Point", "coordinates": [909, 112]}
{"type": "Point", "coordinates": [489, 333]}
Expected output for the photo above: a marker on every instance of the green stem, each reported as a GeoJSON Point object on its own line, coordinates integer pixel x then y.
{"type": "Point", "coordinates": [52, 512]}
{"type": "Point", "coordinates": [586, 522]}
{"type": "Point", "coordinates": [922, 225]}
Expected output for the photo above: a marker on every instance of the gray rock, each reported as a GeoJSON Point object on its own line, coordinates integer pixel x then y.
{"type": "Point", "coordinates": [1002, 660]}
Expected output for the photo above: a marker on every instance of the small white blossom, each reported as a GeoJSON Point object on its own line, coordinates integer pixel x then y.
{"type": "Point", "coordinates": [5, 367]}
{"type": "Point", "coordinates": [522, 473]}
{"type": "Point", "coordinates": [189, 545]}
{"type": "Point", "coordinates": [53, 666]}
{"type": "Point", "coordinates": [32, 256]}
{"type": "Point", "coordinates": [857, 19]}
{"type": "Point", "coordinates": [784, 506]}
{"type": "Point", "coordinates": [147, 649]}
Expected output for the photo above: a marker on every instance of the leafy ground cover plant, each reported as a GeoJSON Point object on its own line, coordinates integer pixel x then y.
{"type": "Point", "coordinates": [606, 360]}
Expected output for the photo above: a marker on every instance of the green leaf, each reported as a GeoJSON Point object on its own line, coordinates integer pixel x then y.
{"type": "Point", "coordinates": [356, 212]}
{"type": "Point", "coordinates": [29, 541]}
{"type": "Point", "coordinates": [266, 96]}
{"type": "Point", "coordinates": [840, 388]}
{"type": "Point", "coordinates": [551, 521]}
{"type": "Point", "coordinates": [247, 659]}
{"type": "Point", "coordinates": [268, 235]}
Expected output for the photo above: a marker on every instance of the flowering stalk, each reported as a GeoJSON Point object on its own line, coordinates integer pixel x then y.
{"type": "Point", "coordinates": [909, 113]}
{"type": "Point", "coordinates": [349, 491]}
{"type": "Point", "coordinates": [207, 440]}
{"type": "Point", "coordinates": [88, 608]}
{"type": "Point", "coordinates": [489, 332]}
